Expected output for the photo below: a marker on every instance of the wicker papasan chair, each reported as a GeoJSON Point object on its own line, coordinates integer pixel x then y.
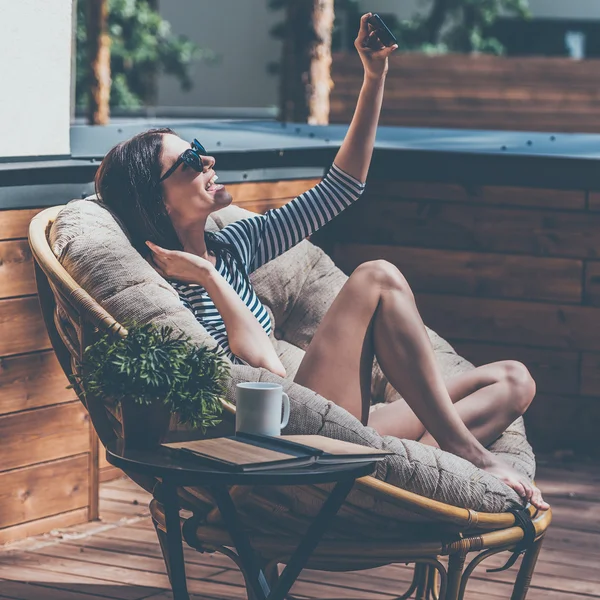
{"type": "Point", "coordinates": [421, 505]}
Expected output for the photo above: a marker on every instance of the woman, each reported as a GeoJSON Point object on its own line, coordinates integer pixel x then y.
{"type": "Point", "coordinates": [170, 191]}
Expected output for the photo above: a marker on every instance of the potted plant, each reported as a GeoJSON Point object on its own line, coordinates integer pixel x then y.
{"type": "Point", "coordinates": [151, 374]}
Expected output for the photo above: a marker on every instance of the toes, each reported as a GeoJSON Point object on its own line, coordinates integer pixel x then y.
{"type": "Point", "coordinates": [538, 501]}
{"type": "Point", "coordinates": [528, 490]}
{"type": "Point", "coordinates": [536, 498]}
{"type": "Point", "coordinates": [519, 488]}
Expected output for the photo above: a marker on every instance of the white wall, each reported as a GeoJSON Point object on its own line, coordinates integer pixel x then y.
{"type": "Point", "coordinates": [238, 30]}
{"type": "Point", "coordinates": [35, 77]}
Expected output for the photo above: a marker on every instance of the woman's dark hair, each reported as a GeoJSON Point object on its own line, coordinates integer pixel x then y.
{"type": "Point", "coordinates": [127, 183]}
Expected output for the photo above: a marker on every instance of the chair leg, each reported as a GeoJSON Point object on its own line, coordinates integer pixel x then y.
{"type": "Point", "coordinates": [456, 565]}
{"type": "Point", "coordinates": [526, 571]}
{"type": "Point", "coordinates": [414, 583]}
{"type": "Point", "coordinates": [432, 584]}
{"type": "Point", "coordinates": [422, 582]}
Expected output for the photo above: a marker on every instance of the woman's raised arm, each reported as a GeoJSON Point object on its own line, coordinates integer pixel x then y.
{"type": "Point", "coordinates": [354, 156]}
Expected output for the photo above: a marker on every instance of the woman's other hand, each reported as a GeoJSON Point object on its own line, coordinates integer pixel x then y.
{"type": "Point", "coordinates": [373, 54]}
{"type": "Point", "coordinates": [180, 266]}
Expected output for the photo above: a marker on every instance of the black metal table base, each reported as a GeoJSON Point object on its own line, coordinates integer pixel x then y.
{"type": "Point", "coordinates": [248, 557]}
{"type": "Point", "coordinates": [174, 558]}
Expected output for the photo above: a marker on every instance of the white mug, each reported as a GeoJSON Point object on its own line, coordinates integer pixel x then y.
{"type": "Point", "coordinates": [259, 406]}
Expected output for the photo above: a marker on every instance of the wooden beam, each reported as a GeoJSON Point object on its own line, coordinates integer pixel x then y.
{"type": "Point", "coordinates": [99, 62]}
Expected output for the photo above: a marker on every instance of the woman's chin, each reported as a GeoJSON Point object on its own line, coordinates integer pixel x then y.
{"type": "Point", "coordinates": [222, 198]}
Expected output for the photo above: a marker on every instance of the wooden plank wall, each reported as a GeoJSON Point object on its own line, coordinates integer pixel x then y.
{"type": "Point", "coordinates": [477, 92]}
{"type": "Point", "coordinates": [503, 273]}
{"type": "Point", "coordinates": [44, 430]}
{"type": "Point", "coordinates": [260, 197]}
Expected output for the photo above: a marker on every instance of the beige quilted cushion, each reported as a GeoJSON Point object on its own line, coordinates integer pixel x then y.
{"type": "Point", "coordinates": [297, 287]}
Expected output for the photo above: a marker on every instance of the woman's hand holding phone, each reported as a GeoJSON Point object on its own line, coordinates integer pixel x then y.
{"type": "Point", "coordinates": [373, 53]}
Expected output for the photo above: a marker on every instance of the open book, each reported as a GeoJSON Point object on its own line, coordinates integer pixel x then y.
{"type": "Point", "coordinates": [247, 453]}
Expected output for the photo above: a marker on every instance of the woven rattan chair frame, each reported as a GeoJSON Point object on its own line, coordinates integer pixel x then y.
{"type": "Point", "coordinates": [441, 530]}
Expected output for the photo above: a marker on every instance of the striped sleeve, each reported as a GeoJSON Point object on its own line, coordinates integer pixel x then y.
{"type": "Point", "coordinates": [264, 237]}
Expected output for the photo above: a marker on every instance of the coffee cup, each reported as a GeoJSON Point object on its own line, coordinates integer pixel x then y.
{"type": "Point", "coordinates": [259, 408]}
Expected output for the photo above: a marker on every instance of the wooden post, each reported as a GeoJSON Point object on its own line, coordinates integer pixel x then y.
{"type": "Point", "coordinates": [306, 65]}
{"type": "Point", "coordinates": [99, 57]}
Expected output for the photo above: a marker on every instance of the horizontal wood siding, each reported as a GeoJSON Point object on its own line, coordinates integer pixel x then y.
{"type": "Point", "coordinates": [481, 274]}
{"type": "Point", "coordinates": [476, 92]}
{"type": "Point", "coordinates": [482, 194]}
{"type": "Point", "coordinates": [15, 269]}
{"type": "Point", "coordinates": [590, 374]}
{"type": "Point", "coordinates": [45, 449]}
{"type": "Point", "coordinates": [46, 465]}
{"type": "Point", "coordinates": [554, 371]}
{"type": "Point", "coordinates": [15, 223]}
{"type": "Point", "coordinates": [43, 490]}
{"type": "Point", "coordinates": [503, 274]}
{"type": "Point", "coordinates": [591, 291]}
{"type": "Point", "coordinates": [269, 190]}
{"type": "Point", "coordinates": [22, 326]}
{"type": "Point", "coordinates": [472, 227]}
{"type": "Point", "coordinates": [32, 381]}
{"type": "Point", "coordinates": [45, 434]}
{"type": "Point", "coordinates": [43, 525]}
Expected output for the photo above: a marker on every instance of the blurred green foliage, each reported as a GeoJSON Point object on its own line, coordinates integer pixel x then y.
{"type": "Point", "coordinates": [142, 46]}
{"type": "Point", "coordinates": [441, 26]}
{"type": "Point", "coordinates": [458, 26]}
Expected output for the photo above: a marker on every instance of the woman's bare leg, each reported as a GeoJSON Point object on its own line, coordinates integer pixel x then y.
{"type": "Point", "coordinates": [375, 311]}
{"type": "Point", "coordinates": [488, 399]}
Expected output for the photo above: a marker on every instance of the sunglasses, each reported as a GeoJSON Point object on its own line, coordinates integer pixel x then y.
{"type": "Point", "coordinates": [191, 157]}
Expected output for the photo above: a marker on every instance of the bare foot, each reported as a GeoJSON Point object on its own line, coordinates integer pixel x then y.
{"type": "Point", "coordinates": [516, 481]}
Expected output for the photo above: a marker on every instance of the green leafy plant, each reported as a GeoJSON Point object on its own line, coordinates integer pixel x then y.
{"type": "Point", "coordinates": [153, 365]}
{"type": "Point", "coordinates": [142, 45]}
{"type": "Point", "coordinates": [458, 26]}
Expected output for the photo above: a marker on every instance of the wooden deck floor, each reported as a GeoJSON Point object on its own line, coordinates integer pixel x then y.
{"type": "Point", "coordinates": [119, 557]}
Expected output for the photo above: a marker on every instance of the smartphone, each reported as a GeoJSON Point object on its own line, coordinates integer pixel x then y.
{"type": "Point", "coordinates": [383, 33]}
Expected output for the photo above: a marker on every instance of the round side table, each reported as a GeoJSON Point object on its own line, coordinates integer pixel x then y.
{"type": "Point", "coordinates": [176, 469]}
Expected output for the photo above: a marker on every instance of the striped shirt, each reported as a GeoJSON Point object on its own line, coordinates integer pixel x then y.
{"type": "Point", "coordinates": [262, 238]}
